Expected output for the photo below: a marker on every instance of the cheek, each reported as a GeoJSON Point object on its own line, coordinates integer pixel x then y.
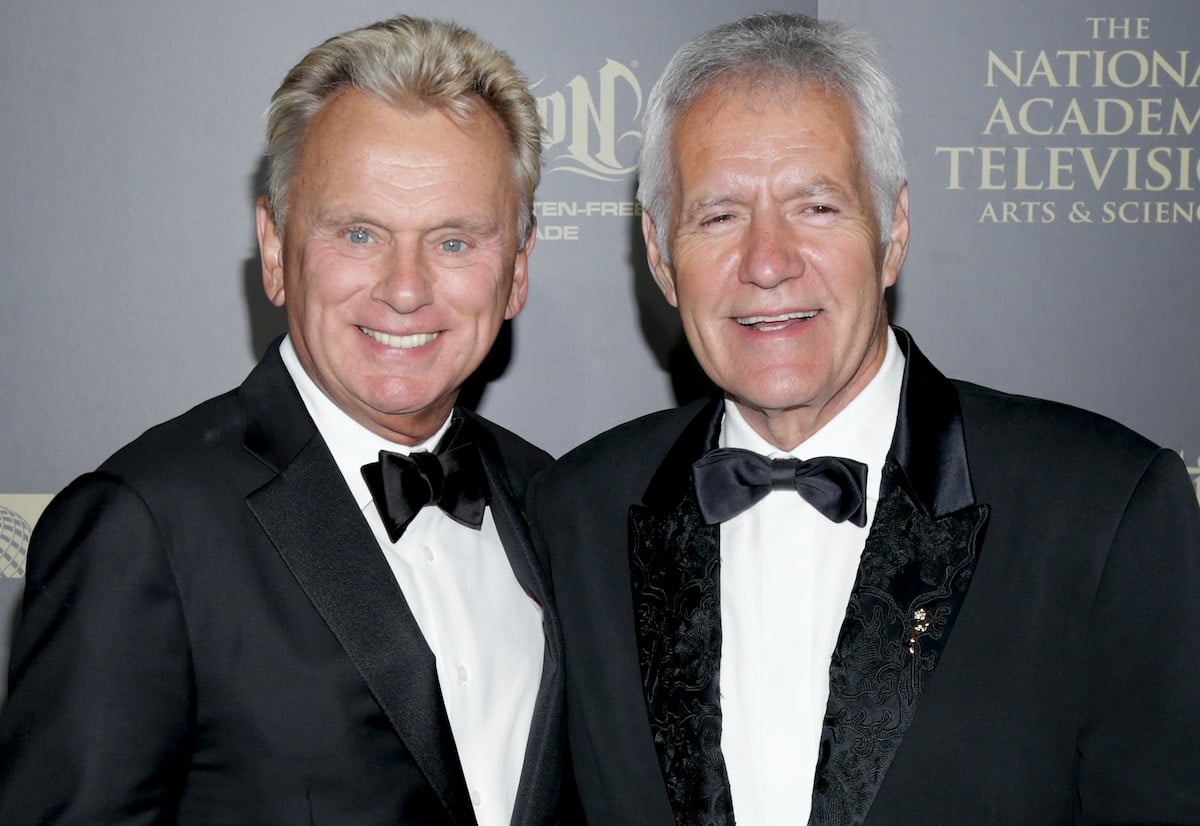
{"type": "Point", "coordinates": [328, 280]}
{"type": "Point", "coordinates": [697, 285]}
{"type": "Point", "coordinates": [480, 293]}
{"type": "Point", "coordinates": [854, 271]}
{"type": "Point", "coordinates": [696, 314]}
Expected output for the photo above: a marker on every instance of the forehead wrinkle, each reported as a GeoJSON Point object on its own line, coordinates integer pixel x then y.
{"type": "Point", "coordinates": [436, 184]}
{"type": "Point", "coordinates": [384, 200]}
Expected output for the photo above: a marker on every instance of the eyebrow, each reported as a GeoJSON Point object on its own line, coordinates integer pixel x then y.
{"type": "Point", "coordinates": [708, 203]}
{"type": "Point", "coordinates": [817, 188]}
{"type": "Point", "coordinates": [483, 227]}
{"type": "Point", "coordinates": [329, 218]}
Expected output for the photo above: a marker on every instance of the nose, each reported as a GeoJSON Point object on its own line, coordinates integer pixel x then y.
{"type": "Point", "coordinates": [770, 255]}
{"type": "Point", "coordinates": [404, 282]}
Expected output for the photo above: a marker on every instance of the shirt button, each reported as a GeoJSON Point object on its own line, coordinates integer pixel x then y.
{"type": "Point", "coordinates": [462, 674]}
{"type": "Point", "coordinates": [475, 797]}
{"type": "Point", "coordinates": [428, 554]}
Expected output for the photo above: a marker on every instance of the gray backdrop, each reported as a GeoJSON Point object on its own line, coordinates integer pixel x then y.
{"type": "Point", "coordinates": [1053, 252]}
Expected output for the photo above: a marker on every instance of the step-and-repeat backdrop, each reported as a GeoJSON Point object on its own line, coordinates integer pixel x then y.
{"type": "Point", "coordinates": [1054, 157]}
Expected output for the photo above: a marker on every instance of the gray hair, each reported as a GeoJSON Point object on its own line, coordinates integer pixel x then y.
{"type": "Point", "coordinates": [411, 62]}
{"type": "Point", "coordinates": [787, 47]}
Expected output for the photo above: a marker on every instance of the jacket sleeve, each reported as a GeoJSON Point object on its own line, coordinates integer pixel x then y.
{"type": "Point", "coordinates": [1139, 742]}
{"type": "Point", "coordinates": [98, 721]}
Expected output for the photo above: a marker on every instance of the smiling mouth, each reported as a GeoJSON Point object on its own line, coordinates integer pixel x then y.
{"type": "Point", "coordinates": [399, 342]}
{"type": "Point", "coordinates": [769, 323]}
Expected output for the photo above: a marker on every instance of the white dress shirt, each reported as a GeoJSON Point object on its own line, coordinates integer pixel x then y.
{"type": "Point", "coordinates": [786, 576]}
{"type": "Point", "coordinates": [483, 629]}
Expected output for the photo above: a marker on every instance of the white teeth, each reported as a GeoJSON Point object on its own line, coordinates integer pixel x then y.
{"type": "Point", "coordinates": [750, 321]}
{"type": "Point", "coordinates": [400, 342]}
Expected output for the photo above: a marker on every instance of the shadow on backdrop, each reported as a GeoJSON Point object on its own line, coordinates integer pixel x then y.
{"type": "Point", "coordinates": [661, 328]}
{"type": "Point", "coordinates": [267, 322]}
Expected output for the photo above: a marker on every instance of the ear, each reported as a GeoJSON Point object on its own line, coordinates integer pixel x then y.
{"type": "Point", "coordinates": [520, 281]}
{"type": "Point", "coordinates": [270, 252]}
{"type": "Point", "coordinates": [897, 248]}
{"type": "Point", "coordinates": [664, 275]}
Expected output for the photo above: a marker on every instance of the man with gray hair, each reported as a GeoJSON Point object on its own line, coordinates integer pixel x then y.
{"type": "Point", "coordinates": [313, 599]}
{"type": "Point", "coordinates": [851, 590]}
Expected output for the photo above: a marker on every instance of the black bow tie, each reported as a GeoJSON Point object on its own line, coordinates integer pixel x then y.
{"type": "Point", "coordinates": [730, 480]}
{"type": "Point", "coordinates": [452, 478]}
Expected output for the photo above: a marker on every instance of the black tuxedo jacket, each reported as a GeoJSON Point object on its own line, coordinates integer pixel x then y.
{"type": "Point", "coordinates": [1020, 646]}
{"type": "Point", "coordinates": [211, 634]}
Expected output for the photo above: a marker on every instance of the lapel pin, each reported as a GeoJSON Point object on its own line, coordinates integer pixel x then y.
{"type": "Point", "coordinates": [920, 625]}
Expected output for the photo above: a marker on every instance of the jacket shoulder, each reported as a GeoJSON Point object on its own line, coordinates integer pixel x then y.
{"type": "Point", "coordinates": [1033, 424]}
{"type": "Point", "coordinates": [195, 462]}
{"type": "Point", "coordinates": [627, 454]}
{"type": "Point", "coordinates": [1022, 447]}
{"type": "Point", "coordinates": [522, 459]}
{"type": "Point", "coordinates": [195, 436]}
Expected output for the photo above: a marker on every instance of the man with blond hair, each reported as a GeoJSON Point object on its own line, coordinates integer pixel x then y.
{"type": "Point", "coordinates": [313, 599]}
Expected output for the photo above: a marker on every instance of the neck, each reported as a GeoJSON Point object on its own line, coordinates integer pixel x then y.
{"type": "Point", "coordinates": [785, 429]}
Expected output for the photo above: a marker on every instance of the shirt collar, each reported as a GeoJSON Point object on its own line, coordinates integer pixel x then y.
{"type": "Point", "coordinates": [351, 444]}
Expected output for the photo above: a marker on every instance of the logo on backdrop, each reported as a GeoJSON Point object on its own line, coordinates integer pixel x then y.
{"type": "Point", "coordinates": [1102, 131]}
{"type": "Point", "coordinates": [14, 542]}
{"type": "Point", "coordinates": [591, 135]}
{"type": "Point", "coordinates": [591, 124]}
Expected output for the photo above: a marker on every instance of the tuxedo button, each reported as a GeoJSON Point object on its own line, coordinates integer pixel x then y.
{"type": "Point", "coordinates": [428, 554]}
{"type": "Point", "coordinates": [462, 674]}
{"type": "Point", "coordinates": [475, 797]}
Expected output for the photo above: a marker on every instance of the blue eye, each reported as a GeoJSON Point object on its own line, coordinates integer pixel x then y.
{"type": "Point", "coordinates": [454, 245]}
{"type": "Point", "coordinates": [358, 236]}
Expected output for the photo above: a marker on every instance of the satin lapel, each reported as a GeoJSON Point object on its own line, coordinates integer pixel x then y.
{"type": "Point", "coordinates": [538, 792]}
{"type": "Point", "coordinates": [675, 573]}
{"type": "Point", "coordinates": [916, 567]}
{"type": "Point", "coordinates": [309, 515]}
{"type": "Point", "coordinates": [508, 516]}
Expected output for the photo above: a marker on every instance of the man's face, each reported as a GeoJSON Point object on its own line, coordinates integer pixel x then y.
{"type": "Point", "coordinates": [775, 257]}
{"type": "Point", "coordinates": [399, 261]}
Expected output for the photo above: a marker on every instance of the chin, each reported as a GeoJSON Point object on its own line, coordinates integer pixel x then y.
{"type": "Point", "coordinates": [779, 392]}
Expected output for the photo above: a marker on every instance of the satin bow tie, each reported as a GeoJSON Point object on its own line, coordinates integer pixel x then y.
{"type": "Point", "coordinates": [453, 479]}
{"type": "Point", "coordinates": [730, 480]}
